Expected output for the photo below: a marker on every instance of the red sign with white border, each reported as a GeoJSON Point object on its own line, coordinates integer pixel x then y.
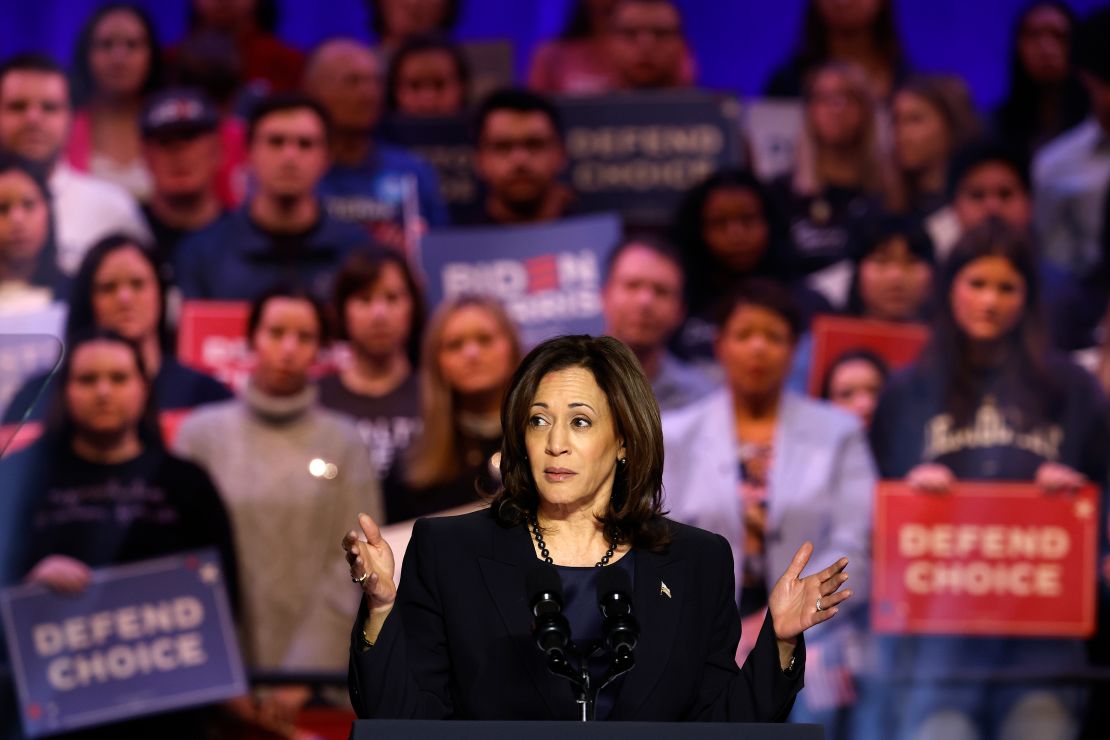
{"type": "Point", "coordinates": [897, 344]}
{"type": "Point", "coordinates": [985, 559]}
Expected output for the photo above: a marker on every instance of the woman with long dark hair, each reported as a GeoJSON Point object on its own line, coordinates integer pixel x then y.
{"type": "Point", "coordinates": [29, 276]}
{"type": "Point", "coordinates": [861, 32]}
{"type": "Point", "coordinates": [1046, 96]}
{"type": "Point", "coordinates": [118, 63]}
{"type": "Point", "coordinates": [987, 401]}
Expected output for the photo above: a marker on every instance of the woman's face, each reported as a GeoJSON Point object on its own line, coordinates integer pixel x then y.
{"type": "Point", "coordinates": [379, 318]}
{"type": "Point", "coordinates": [475, 355]}
{"type": "Point", "coordinates": [921, 139]}
{"type": "Point", "coordinates": [894, 282]}
{"type": "Point", "coordinates": [125, 295]}
{"type": "Point", "coordinates": [1044, 44]}
{"type": "Point", "coordinates": [572, 441]}
{"type": "Point", "coordinates": [120, 55]}
{"type": "Point", "coordinates": [755, 348]}
{"type": "Point", "coordinates": [836, 115]}
{"type": "Point", "coordinates": [285, 343]}
{"type": "Point", "coordinates": [105, 393]}
{"type": "Point", "coordinates": [735, 227]}
{"type": "Point", "coordinates": [428, 84]}
{"type": "Point", "coordinates": [24, 218]}
{"type": "Point", "coordinates": [855, 386]}
{"type": "Point", "coordinates": [988, 298]}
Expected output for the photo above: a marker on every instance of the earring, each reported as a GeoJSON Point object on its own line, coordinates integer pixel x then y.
{"type": "Point", "coordinates": [623, 460]}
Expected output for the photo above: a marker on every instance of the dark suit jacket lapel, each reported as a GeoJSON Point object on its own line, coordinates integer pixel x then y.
{"type": "Point", "coordinates": [504, 573]}
{"type": "Point", "coordinates": [658, 617]}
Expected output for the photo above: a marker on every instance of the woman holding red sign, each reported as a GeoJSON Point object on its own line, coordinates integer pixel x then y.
{"type": "Point", "coordinates": [987, 401]}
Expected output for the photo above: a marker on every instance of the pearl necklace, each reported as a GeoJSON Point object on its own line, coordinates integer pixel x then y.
{"type": "Point", "coordinates": [547, 555]}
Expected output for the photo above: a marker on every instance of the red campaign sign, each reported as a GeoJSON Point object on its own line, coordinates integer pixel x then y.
{"type": "Point", "coordinates": [985, 559]}
{"type": "Point", "coordinates": [897, 344]}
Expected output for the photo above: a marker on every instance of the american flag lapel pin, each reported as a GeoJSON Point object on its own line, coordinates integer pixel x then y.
{"type": "Point", "coordinates": [663, 590]}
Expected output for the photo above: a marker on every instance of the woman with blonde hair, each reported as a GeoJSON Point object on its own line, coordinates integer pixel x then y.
{"type": "Point", "coordinates": [470, 351]}
{"type": "Point", "coordinates": [840, 175]}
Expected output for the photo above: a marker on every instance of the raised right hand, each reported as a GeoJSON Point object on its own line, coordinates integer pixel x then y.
{"type": "Point", "coordinates": [61, 573]}
{"type": "Point", "coordinates": [374, 556]}
{"type": "Point", "coordinates": [931, 478]}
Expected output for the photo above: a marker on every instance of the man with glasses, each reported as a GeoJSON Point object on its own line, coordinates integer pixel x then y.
{"type": "Point", "coordinates": [282, 234]}
{"type": "Point", "coordinates": [520, 154]}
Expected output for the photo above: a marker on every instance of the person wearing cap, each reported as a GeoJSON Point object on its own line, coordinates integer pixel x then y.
{"type": "Point", "coordinates": [282, 234]}
{"type": "Point", "coordinates": [35, 121]}
{"type": "Point", "coordinates": [181, 145]}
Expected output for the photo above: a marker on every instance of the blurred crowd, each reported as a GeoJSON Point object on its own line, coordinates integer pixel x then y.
{"type": "Point", "coordinates": [234, 167]}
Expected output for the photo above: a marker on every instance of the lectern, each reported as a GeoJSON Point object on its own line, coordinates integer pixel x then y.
{"type": "Point", "coordinates": [458, 730]}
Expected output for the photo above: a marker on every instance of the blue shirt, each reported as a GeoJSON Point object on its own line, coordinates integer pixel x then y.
{"type": "Point", "coordinates": [235, 259]}
{"type": "Point", "coordinates": [374, 191]}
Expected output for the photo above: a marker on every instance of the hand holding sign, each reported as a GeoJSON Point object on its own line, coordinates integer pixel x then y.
{"type": "Point", "coordinates": [1054, 477]}
{"type": "Point", "coordinates": [931, 478]}
{"type": "Point", "coordinates": [61, 573]}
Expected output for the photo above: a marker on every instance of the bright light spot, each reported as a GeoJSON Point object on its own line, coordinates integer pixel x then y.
{"type": "Point", "coordinates": [317, 467]}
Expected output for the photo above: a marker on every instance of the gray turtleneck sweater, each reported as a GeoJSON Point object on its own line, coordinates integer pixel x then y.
{"type": "Point", "coordinates": [293, 477]}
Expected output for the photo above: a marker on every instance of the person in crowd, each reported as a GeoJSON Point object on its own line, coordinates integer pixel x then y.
{"type": "Point", "coordinates": [859, 32]}
{"type": "Point", "coordinates": [646, 49]}
{"type": "Point", "coordinates": [379, 310]}
{"type": "Point", "coordinates": [765, 468]}
{"type": "Point", "coordinates": [987, 401]}
{"type": "Point", "coordinates": [396, 21]}
{"type": "Point", "coordinates": [269, 65]}
{"type": "Point", "coordinates": [854, 381]}
{"type": "Point", "coordinates": [29, 277]}
{"type": "Point", "coordinates": [580, 61]}
{"type": "Point", "coordinates": [1046, 96]}
{"type": "Point", "coordinates": [118, 288]}
{"type": "Point", "coordinates": [428, 77]}
{"type": "Point", "coordinates": [644, 302]}
{"type": "Point", "coordinates": [469, 352]}
{"type": "Point", "coordinates": [1071, 174]}
{"type": "Point", "coordinates": [287, 470]}
{"type": "Point", "coordinates": [840, 179]}
{"type": "Point", "coordinates": [181, 147]}
{"type": "Point", "coordinates": [894, 272]}
{"type": "Point", "coordinates": [571, 510]}
{"type": "Point", "coordinates": [519, 154]}
{"type": "Point", "coordinates": [282, 233]}
{"type": "Point", "coordinates": [933, 117]}
{"type": "Point", "coordinates": [99, 489]}
{"type": "Point", "coordinates": [992, 179]}
{"type": "Point", "coordinates": [118, 63]}
{"type": "Point", "coordinates": [369, 183]}
{"type": "Point", "coordinates": [729, 227]}
{"type": "Point", "coordinates": [35, 120]}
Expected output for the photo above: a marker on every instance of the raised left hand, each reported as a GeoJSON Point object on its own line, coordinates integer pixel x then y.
{"type": "Point", "coordinates": [797, 603]}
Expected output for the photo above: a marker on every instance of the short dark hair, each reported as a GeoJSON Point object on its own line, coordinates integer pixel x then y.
{"type": "Point", "coordinates": [361, 270]}
{"type": "Point", "coordinates": [762, 293]}
{"type": "Point", "coordinates": [663, 249]}
{"type": "Point", "coordinates": [81, 318]}
{"type": "Point", "coordinates": [518, 101]}
{"type": "Point", "coordinates": [988, 151]}
{"type": "Point", "coordinates": [424, 45]}
{"type": "Point", "coordinates": [292, 292]}
{"type": "Point", "coordinates": [636, 505]}
{"type": "Point", "coordinates": [32, 62]}
{"type": "Point", "coordinates": [282, 102]}
{"type": "Point", "coordinates": [1092, 52]}
{"type": "Point", "coordinates": [853, 355]}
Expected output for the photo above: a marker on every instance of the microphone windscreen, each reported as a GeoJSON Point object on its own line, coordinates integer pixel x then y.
{"type": "Point", "coordinates": [542, 578]}
{"type": "Point", "coordinates": [613, 579]}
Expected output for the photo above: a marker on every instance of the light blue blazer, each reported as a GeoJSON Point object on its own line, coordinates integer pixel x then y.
{"type": "Point", "coordinates": [821, 485]}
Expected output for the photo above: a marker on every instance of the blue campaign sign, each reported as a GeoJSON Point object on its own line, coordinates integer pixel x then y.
{"type": "Point", "coordinates": [144, 637]}
{"type": "Point", "coordinates": [548, 275]}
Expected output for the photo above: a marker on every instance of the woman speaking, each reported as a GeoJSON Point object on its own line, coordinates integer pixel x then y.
{"type": "Point", "coordinates": [582, 465]}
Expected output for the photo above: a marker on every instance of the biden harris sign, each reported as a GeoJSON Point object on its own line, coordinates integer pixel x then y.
{"type": "Point", "coordinates": [144, 637]}
{"type": "Point", "coordinates": [548, 275]}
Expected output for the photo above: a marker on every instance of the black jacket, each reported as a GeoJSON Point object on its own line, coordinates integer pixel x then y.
{"type": "Point", "coordinates": [458, 645]}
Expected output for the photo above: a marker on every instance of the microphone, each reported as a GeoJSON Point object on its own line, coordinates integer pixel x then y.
{"type": "Point", "coordinates": [614, 597]}
{"type": "Point", "coordinates": [550, 628]}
